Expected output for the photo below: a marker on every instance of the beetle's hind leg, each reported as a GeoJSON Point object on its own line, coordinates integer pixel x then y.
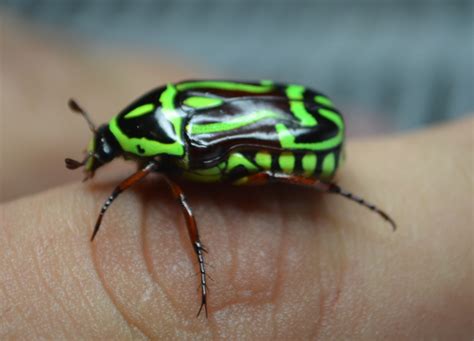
{"type": "Point", "coordinates": [333, 188]}
{"type": "Point", "coordinates": [194, 236]}
{"type": "Point", "coordinates": [268, 176]}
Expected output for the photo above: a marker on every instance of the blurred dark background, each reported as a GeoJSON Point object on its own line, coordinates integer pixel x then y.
{"type": "Point", "coordinates": [391, 65]}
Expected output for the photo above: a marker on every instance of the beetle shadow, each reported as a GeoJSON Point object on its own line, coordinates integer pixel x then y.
{"type": "Point", "coordinates": [306, 202]}
{"type": "Point", "coordinates": [268, 200]}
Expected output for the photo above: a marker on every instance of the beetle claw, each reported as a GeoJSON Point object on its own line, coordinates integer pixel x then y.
{"type": "Point", "coordinates": [203, 304]}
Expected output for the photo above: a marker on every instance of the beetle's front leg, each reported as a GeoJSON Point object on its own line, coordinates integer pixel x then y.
{"type": "Point", "coordinates": [131, 180]}
{"type": "Point", "coordinates": [194, 236]}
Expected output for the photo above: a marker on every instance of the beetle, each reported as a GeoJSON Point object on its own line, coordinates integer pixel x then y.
{"type": "Point", "coordinates": [222, 131]}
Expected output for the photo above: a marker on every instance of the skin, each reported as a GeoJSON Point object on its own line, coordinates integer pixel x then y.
{"type": "Point", "coordinates": [314, 266]}
{"type": "Point", "coordinates": [287, 262]}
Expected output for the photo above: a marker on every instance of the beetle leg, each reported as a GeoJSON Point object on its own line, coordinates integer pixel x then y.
{"type": "Point", "coordinates": [131, 180]}
{"type": "Point", "coordinates": [268, 176]}
{"type": "Point", "coordinates": [194, 236]}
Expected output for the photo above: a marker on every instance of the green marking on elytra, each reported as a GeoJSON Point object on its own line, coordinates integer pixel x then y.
{"type": "Point", "coordinates": [287, 162]}
{"type": "Point", "coordinates": [168, 108]}
{"type": "Point", "coordinates": [198, 102]}
{"type": "Point", "coordinates": [335, 118]}
{"type": "Point", "coordinates": [212, 174]}
{"type": "Point", "coordinates": [231, 124]}
{"type": "Point", "coordinates": [145, 147]}
{"type": "Point", "coordinates": [149, 147]}
{"type": "Point", "coordinates": [196, 176]}
{"type": "Point", "coordinates": [139, 111]}
{"type": "Point", "coordinates": [287, 140]}
{"type": "Point", "coordinates": [254, 88]}
{"type": "Point", "coordinates": [323, 100]}
{"type": "Point", "coordinates": [309, 163]}
{"type": "Point", "coordinates": [297, 107]}
{"type": "Point", "coordinates": [264, 160]}
{"type": "Point", "coordinates": [329, 165]}
{"type": "Point", "coordinates": [237, 159]}
{"type": "Point", "coordinates": [266, 82]}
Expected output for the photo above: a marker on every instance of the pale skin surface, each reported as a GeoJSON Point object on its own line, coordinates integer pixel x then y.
{"type": "Point", "coordinates": [287, 263]}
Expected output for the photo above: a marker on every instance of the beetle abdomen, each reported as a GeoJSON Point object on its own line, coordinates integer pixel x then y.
{"type": "Point", "coordinates": [240, 164]}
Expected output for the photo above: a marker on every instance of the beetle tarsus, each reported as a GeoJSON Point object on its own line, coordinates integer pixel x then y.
{"type": "Point", "coordinates": [202, 269]}
{"type": "Point", "coordinates": [333, 188]}
{"type": "Point", "coordinates": [203, 304]}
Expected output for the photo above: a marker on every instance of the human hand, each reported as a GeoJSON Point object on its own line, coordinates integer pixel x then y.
{"type": "Point", "coordinates": [287, 263]}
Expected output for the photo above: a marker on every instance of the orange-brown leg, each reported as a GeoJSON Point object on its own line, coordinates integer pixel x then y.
{"type": "Point", "coordinates": [131, 180]}
{"type": "Point", "coordinates": [194, 236]}
{"type": "Point", "coordinates": [268, 176]}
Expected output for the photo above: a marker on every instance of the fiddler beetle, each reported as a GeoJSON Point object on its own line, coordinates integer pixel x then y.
{"type": "Point", "coordinates": [223, 131]}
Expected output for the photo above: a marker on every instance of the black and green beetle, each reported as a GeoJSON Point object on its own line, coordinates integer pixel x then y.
{"type": "Point", "coordinates": [223, 131]}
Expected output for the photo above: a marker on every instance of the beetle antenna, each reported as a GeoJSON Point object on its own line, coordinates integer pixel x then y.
{"type": "Point", "coordinates": [74, 106]}
{"type": "Point", "coordinates": [74, 164]}
{"type": "Point", "coordinates": [338, 190]}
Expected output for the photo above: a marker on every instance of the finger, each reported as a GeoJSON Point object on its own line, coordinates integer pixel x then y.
{"type": "Point", "coordinates": [288, 263]}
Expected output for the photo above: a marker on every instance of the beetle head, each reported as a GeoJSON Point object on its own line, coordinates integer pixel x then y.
{"type": "Point", "coordinates": [103, 147]}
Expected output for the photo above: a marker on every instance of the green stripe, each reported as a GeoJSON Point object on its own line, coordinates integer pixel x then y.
{"type": "Point", "coordinates": [266, 82]}
{"type": "Point", "coordinates": [202, 102]}
{"type": "Point", "coordinates": [206, 175]}
{"type": "Point", "coordinates": [309, 164]}
{"type": "Point", "coordinates": [167, 97]}
{"type": "Point", "coordinates": [237, 159]}
{"type": "Point", "coordinates": [139, 111]}
{"type": "Point", "coordinates": [264, 160]}
{"type": "Point", "coordinates": [168, 108]}
{"type": "Point", "coordinates": [151, 147]}
{"type": "Point", "coordinates": [287, 140]}
{"type": "Point", "coordinates": [265, 87]}
{"type": "Point", "coordinates": [297, 107]}
{"type": "Point", "coordinates": [329, 165]}
{"type": "Point", "coordinates": [234, 123]}
{"type": "Point", "coordinates": [323, 100]}
{"type": "Point", "coordinates": [287, 162]}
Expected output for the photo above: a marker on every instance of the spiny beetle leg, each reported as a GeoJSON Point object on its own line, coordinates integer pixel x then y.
{"type": "Point", "coordinates": [131, 180]}
{"type": "Point", "coordinates": [194, 236]}
{"type": "Point", "coordinates": [268, 176]}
